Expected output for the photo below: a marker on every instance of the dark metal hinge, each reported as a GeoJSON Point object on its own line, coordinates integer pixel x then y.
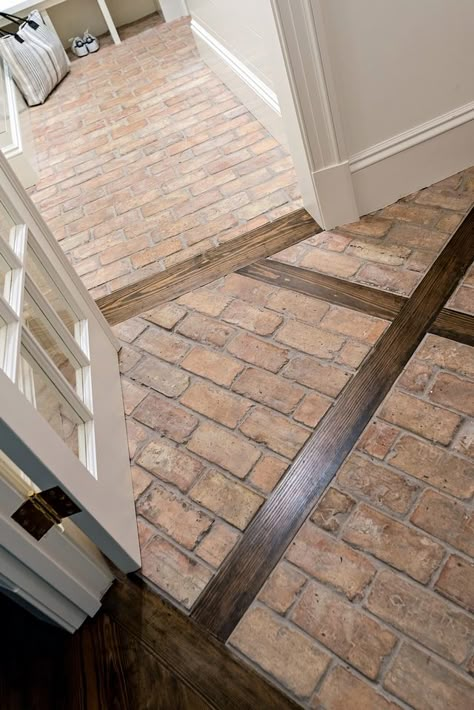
{"type": "Point", "coordinates": [43, 510]}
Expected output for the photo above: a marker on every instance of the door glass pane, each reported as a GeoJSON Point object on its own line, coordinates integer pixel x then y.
{"type": "Point", "coordinates": [50, 291]}
{"type": "Point", "coordinates": [44, 396]}
{"type": "Point", "coordinates": [4, 269]}
{"type": "Point", "coordinates": [34, 320]}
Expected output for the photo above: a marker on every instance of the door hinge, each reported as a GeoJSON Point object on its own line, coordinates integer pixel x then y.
{"type": "Point", "coordinates": [43, 510]}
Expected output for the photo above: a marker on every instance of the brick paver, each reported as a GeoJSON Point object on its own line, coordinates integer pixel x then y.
{"type": "Point", "coordinates": [381, 575]}
{"type": "Point", "coordinates": [146, 158]}
{"type": "Point", "coordinates": [220, 395]}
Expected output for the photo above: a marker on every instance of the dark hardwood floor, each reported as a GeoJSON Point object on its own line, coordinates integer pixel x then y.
{"type": "Point", "coordinates": [138, 653]}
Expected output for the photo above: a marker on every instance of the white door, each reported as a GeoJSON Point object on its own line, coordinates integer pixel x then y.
{"type": "Point", "coordinates": [61, 412]}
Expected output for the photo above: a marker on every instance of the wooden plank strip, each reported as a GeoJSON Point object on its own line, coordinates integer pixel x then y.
{"type": "Point", "coordinates": [382, 304]}
{"type": "Point", "coordinates": [225, 600]}
{"type": "Point", "coordinates": [201, 662]}
{"type": "Point", "coordinates": [192, 273]}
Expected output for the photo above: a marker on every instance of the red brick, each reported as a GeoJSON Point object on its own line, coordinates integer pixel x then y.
{"type": "Point", "coordinates": [342, 690]}
{"type": "Point", "coordinates": [274, 431]}
{"type": "Point", "coordinates": [267, 473]}
{"type": "Point", "coordinates": [232, 501]}
{"type": "Point", "coordinates": [131, 395]}
{"type": "Point", "coordinates": [420, 417]}
{"type": "Point", "coordinates": [297, 305]}
{"type": "Point", "coordinates": [388, 278]}
{"type": "Point", "coordinates": [231, 452]}
{"type": "Point", "coordinates": [129, 330]}
{"type": "Point", "coordinates": [153, 254]}
{"type": "Point", "coordinates": [105, 274]}
{"type": "Point", "coordinates": [246, 289]}
{"type": "Point", "coordinates": [405, 212]}
{"type": "Point", "coordinates": [447, 354]}
{"type": "Point", "coordinates": [170, 464]}
{"type": "Point", "coordinates": [369, 226]}
{"type": "Point", "coordinates": [205, 330]}
{"type": "Point", "coordinates": [258, 352]}
{"type": "Point", "coordinates": [331, 561]}
{"type": "Point", "coordinates": [332, 510]}
{"type": "Point", "coordinates": [327, 379]}
{"type": "Point", "coordinates": [310, 339]}
{"type": "Point", "coordinates": [251, 318]}
{"type": "Point", "coordinates": [165, 418]}
{"type": "Point", "coordinates": [434, 465]}
{"type": "Point", "coordinates": [352, 354]}
{"type": "Point", "coordinates": [456, 581]}
{"type": "Point", "coordinates": [445, 198]}
{"type": "Point", "coordinates": [161, 377]}
{"type": "Point", "coordinates": [281, 589]}
{"type": "Point", "coordinates": [214, 366]}
{"type": "Point", "coordinates": [166, 316]}
{"type": "Point", "coordinates": [124, 249]}
{"type": "Point", "coordinates": [391, 541]}
{"type": "Point", "coordinates": [454, 392]}
{"type": "Point", "coordinates": [377, 439]}
{"type": "Point", "coordinates": [416, 237]}
{"type": "Point", "coordinates": [422, 615]}
{"type": "Point", "coordinates": [264, 204]}
{"type": "Point", "coordinates": [215, 403]}
{"type": "Point", "coordinates": [463, 300]}
{"type": "Point", "coordinates": [393, 254]}
{"type": "Point", "coordinates": [312, 409]}
{"type": "Point", "coordinates": [332, 263]}
{"type": "Point", "coordinates": [415, 377]}
{"type": "Point", "coordinates": [243, 183]}
{"type": "Point", "coordinates": [329, 241]}
{"type": "Point", "coordinates": [213, 226]}
{"type": "Point", "coordinates": [422, 681]}
{"type": "Point", "coordinates": [217, 544]}
{"type": "Point", "coordinates": [264, 638]}
{"type": "Point", "coordinates": [356, 325]}
{"type": "Point", "coordinates": [378, 484]}
{"type": "Point", "coordinates": [173, 515]}
{"type": "Point", "coordinates": [464, 440]}
{"type": "Point", "coordinates": [268, 389]}
{"type": "Point", "coordinates": [140, 481]}
{"type": "Point", "coordinates": [145, 532]}
{"type": "Point", "coordinates": [447, 520]}
{"type": "Point", "coordinates": [163, 345]}
{"type": "Point", "coordinates": [348, 632]}
{"type": "Point", "coordinates": [136, 435]}
{"type": "Point", "coordinates": [153, 202]}
{"type": "Point", "coordinates": [174, 572]}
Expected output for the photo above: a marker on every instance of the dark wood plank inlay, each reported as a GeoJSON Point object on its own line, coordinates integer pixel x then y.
{"type": "Point", "coordinates": [382, 304]}
{"type": "Point", "coordinates": [202, 663]}
{"type": "Point", "coordinates": [225, 600]}
{"type": "Point", "coordinates": [200, 270]}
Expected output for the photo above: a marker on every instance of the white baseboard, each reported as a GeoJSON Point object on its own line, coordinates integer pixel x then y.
{"type": "Point", "coordinates": [259, 98]}
{"type": "Point", "coordinates": [414, 159]}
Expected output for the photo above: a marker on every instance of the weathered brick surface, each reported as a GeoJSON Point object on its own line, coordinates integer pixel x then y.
{"type": "Point", "coordinates": [456, 581]}
{"type": "Point", "coordinates": [347, 631]}
{"type": "Point", "coordinates": [418, 679]}
{"type": "Point", "coordinates": [342, 689]}
{"type": "Point", "coordinates": [233, 502]}
{"type": "Point", "coordinates": [281, 589]}
{"type": "Point", "coordinates": [170, 464]}
{"type": "Point", "coordinates": [446, 519]}
{"type": "Point", "coordinates": [269, 643]}
{"type": "Point", "coordinates": [224, 449]}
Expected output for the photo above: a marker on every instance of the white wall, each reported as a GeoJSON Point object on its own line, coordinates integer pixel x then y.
{"type": "Point", "coordinates": [397, 64]}
{"type": "Point", "coordinates": [73, 17]}
{"type": "Point", "coordinates": [236, 38]}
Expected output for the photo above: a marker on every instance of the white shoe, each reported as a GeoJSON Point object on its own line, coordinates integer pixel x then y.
{"type": "Point", "coordinates": [91, 42]}
{"type": "Point", "coordinates": [79, 47]}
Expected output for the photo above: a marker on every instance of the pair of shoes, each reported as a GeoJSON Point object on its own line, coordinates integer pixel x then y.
{"type": "Point", "coordinates": [88, 44]}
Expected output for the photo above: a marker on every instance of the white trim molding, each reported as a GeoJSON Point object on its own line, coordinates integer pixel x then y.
{"type": "Point", "coordinates": [408, 139]}
{"type": "Point", "coordinates": [171, 9]}
{"type": "Point", "coordinates": [242, 70]}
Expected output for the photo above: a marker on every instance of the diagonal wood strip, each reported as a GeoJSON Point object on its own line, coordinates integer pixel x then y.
{"type": "Point", "coordinates": [129, 301]}
{"type": "Point", "coordinates": [228, 596]}
{"type": "Point", "coordinates": [181, 645]}
{"type": "Point", "coordinates": [382, 304]}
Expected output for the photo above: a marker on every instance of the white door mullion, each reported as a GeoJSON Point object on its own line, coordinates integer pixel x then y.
{"type": "Point", "coordinates": [8, 253]}
{"type": "Point", "coordinates": [77, 409]}
{"type": "Point", "coordinates": [56, 326]}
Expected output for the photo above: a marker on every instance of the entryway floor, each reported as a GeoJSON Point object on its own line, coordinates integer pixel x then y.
{"type": "Point", "coordinates": [367, 580]}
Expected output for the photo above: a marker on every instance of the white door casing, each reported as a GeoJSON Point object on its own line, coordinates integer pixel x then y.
{"type": "Point", "coordinates": [64, 358]}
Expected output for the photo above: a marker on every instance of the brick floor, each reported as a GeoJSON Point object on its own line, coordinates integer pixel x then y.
{"type": "Point", "coordinates": [146, 158]}
{"type": "Point", "coordinates": [393, 248]}
{"type": "Point", "coordinates": [372, 605]}
{"type": "Point", "coordinates": [222, 388]}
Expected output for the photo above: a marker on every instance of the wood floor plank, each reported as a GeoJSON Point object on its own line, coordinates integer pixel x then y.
{"type": "Point", "coordinates": [129, 301]}
{"type": "Point", "coordinates": [225, 600]}
{"type": "Point", "coordinates": [382, 304]}
{"type": "Point", "coordinates": [201, 662]}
